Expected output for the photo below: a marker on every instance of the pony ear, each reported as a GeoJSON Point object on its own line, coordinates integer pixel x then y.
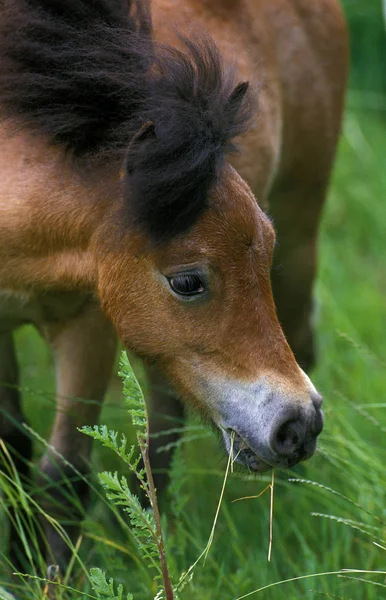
{"type": "Point", "coordinates": [144, 133]}
{"type": "Point", "coordinates": [239, 92]}
{"type": "Point", "coordinates": [236, 98]}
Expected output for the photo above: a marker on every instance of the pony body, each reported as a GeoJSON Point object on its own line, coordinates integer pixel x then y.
{"type": "Point", "coordinates": [122, 212]}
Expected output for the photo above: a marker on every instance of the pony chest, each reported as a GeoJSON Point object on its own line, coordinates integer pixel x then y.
{"type": "Point", "coordinates": [18, 308]}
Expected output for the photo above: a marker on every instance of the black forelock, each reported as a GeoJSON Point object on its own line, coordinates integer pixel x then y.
{"type": "Point", "coordinates": [196, 111]}
{"type": "Point", "coordinates": [86, 74]}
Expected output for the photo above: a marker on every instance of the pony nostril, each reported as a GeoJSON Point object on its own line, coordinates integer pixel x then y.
{"type": "Point", "coordinates": [288, 438]}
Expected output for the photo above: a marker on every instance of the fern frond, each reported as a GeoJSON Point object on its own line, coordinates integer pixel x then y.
{"type": "Point", "coordinates": [109, 438]}
{"type": "Point", "coordinates": [105, 589]}
{"type": "Point", "coordinates": [145, 523]}
{"type": "Point", "coordinates": [141, 520]}
{"type": "Point", "coordinates": [133, 395]}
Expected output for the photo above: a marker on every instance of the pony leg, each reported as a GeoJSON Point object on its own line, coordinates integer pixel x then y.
{"type": "Point", "coordinates": [17, 441]}
{"type": "Point", "coordinates": [165, 413]}
{"type": "Point", "coordinates": [84, 348]}
{"type": "Point", "coordinates": [296, 215]}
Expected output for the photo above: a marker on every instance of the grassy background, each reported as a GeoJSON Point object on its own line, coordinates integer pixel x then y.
{"type": "Point", "coordinates": [316, 530]}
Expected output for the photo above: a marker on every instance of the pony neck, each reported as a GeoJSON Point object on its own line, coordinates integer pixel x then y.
{"type": "Point", "coordinates": [50, 213]}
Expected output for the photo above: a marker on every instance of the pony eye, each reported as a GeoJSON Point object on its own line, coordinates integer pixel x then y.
{"type": "Point", "coordinates": [187, 284]}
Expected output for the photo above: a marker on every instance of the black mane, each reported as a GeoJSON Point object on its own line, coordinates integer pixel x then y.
{"type": "Point", "coordinates": [87, 75]}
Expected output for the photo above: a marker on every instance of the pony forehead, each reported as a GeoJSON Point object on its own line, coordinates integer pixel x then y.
{"type": "Point", "coordinates": [236, 207]}
{"type": "Point", "coordinates": [232, 224]}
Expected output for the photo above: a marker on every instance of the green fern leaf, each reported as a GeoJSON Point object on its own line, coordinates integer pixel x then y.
{"type": "Point", "coordinates": [141, 519]}
{"type": "Point", "coordinates": [133, 395]}
{"type": "Point", "coordinates": [105, 589]}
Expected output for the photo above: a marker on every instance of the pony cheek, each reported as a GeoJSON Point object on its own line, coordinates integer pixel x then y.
{"type": "Point", "coordinates": [133, 302]}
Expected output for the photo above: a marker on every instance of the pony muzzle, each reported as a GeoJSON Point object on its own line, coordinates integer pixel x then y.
{"type": "Point", "coordinates": [272, 432]}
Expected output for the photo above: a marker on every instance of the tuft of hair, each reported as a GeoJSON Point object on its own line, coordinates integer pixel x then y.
{"type": "Point", "coordinates": [73, 70]}
{"type": "Point", "coordinates": [87, 75]}
{"type": "Point", "coordinates": [193, 112]}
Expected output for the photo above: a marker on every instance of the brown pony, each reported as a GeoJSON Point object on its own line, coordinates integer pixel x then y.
{"type": "Point", "coordinates": [119, 211]}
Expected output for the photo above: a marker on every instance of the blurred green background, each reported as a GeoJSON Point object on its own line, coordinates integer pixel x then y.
{"type": "Point", "coordinates": [339, 521]}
